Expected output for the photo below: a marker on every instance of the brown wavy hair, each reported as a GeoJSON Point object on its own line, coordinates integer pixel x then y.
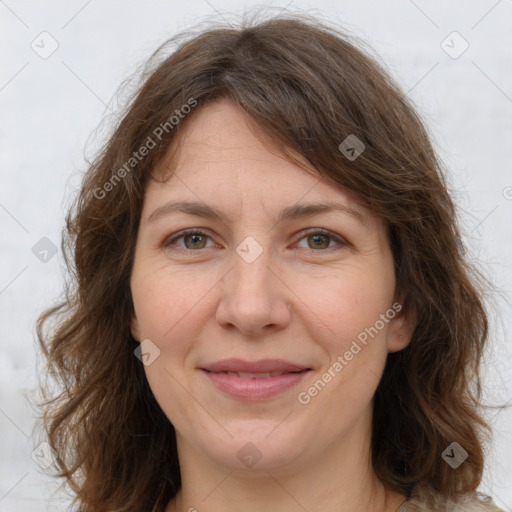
{"type": "Point", "coordinates": [308, 86]}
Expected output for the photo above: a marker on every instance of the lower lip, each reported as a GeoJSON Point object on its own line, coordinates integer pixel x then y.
{"type": "Point", "coordinates": [254, 389]}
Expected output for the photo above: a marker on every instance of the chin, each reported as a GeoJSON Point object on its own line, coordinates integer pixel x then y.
{"type": "Point", "coordinates": [256, 447]}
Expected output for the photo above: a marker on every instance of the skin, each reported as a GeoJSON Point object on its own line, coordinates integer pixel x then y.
{"type": "Point", "coordinates": [304, 299]}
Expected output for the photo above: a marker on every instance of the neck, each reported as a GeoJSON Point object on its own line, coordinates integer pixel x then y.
{"type": "Point", "coordinates": [336, 479]}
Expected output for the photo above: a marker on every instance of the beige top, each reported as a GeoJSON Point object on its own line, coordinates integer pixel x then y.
{"type": "Point", "coordinates": [430, 501]}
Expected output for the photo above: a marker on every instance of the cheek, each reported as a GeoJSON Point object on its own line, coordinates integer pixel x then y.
{"type": "Point", "coordinates": [347, 303]}
{"type": "Point", "coordinates": [360, 347]}
{"type": "Point", "coordinates": [352, 337]}
{"type": "Point", "coordinates": [165, 301]}
{"type": "Point", "coordinates": [166, 304]}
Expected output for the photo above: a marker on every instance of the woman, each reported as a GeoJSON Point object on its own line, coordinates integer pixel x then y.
{"type": "Point", "coordinates": [271, 308]}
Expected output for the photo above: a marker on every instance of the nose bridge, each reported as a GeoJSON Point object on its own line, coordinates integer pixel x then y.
{"type": "Point", "coordinates": [252, 297]}
{"type": "Point", "coordinates": [251, 263]}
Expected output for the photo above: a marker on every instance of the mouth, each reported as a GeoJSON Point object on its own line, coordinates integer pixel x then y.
{"type": "Point", "coordinates": [254, 381]}
{"type": "Point", "coordinates": [260, 375]}
{"type": "Point", "coordinates": [273, 367]}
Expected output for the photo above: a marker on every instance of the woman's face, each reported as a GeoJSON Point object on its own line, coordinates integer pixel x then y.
{"type": "Point", "coordinates": [302, 297]}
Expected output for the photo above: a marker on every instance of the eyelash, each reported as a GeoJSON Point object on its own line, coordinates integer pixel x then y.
{"type": "Point", "coordinates": [313, 231]}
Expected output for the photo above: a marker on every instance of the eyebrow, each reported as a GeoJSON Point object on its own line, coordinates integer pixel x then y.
{"type": "Point", "coordinates": [296, 211]}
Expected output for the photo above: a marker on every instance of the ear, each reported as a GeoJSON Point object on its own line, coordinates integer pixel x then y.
{"type": "Point", "coordinates": [401, 327]}
{"type": "Point", "coordinates": [135, 328]}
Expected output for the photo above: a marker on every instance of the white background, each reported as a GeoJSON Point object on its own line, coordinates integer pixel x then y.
{"type": "Point", "coordinates": [51, 107]}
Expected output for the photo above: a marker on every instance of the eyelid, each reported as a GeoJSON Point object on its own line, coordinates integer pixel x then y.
{"type": "Point", "coordinates": [341, 241]}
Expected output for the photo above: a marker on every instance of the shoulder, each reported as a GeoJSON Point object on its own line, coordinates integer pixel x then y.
{"type": "Point", "coordinates": [427, 500]}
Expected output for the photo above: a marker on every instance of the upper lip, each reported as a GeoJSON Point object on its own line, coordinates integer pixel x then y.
{"type": "Point", "coordinates": [261, 366]}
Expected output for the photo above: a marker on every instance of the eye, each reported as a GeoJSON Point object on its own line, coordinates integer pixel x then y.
{"type": "Point", "coordinates": [193, 239]}
{"type": "Point", "coordinates": [321, 238]}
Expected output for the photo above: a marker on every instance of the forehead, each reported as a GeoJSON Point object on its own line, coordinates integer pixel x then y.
{"type": "Point", "coordinates": [221, 135]}
{"type": "Point", "coordinates": [223, 158]}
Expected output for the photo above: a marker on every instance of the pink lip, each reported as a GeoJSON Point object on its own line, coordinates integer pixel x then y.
{"type": "Point", "coordinates": [253, 389]}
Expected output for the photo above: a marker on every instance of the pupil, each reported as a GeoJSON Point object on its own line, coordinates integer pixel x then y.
{"type": "Point", "coordinates": [194, 239]}
{"type": "Point", "coordinates": [318, 239]}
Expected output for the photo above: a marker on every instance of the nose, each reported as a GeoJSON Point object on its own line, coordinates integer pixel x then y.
{"type": "Point", "coordinates": [254, 299]}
